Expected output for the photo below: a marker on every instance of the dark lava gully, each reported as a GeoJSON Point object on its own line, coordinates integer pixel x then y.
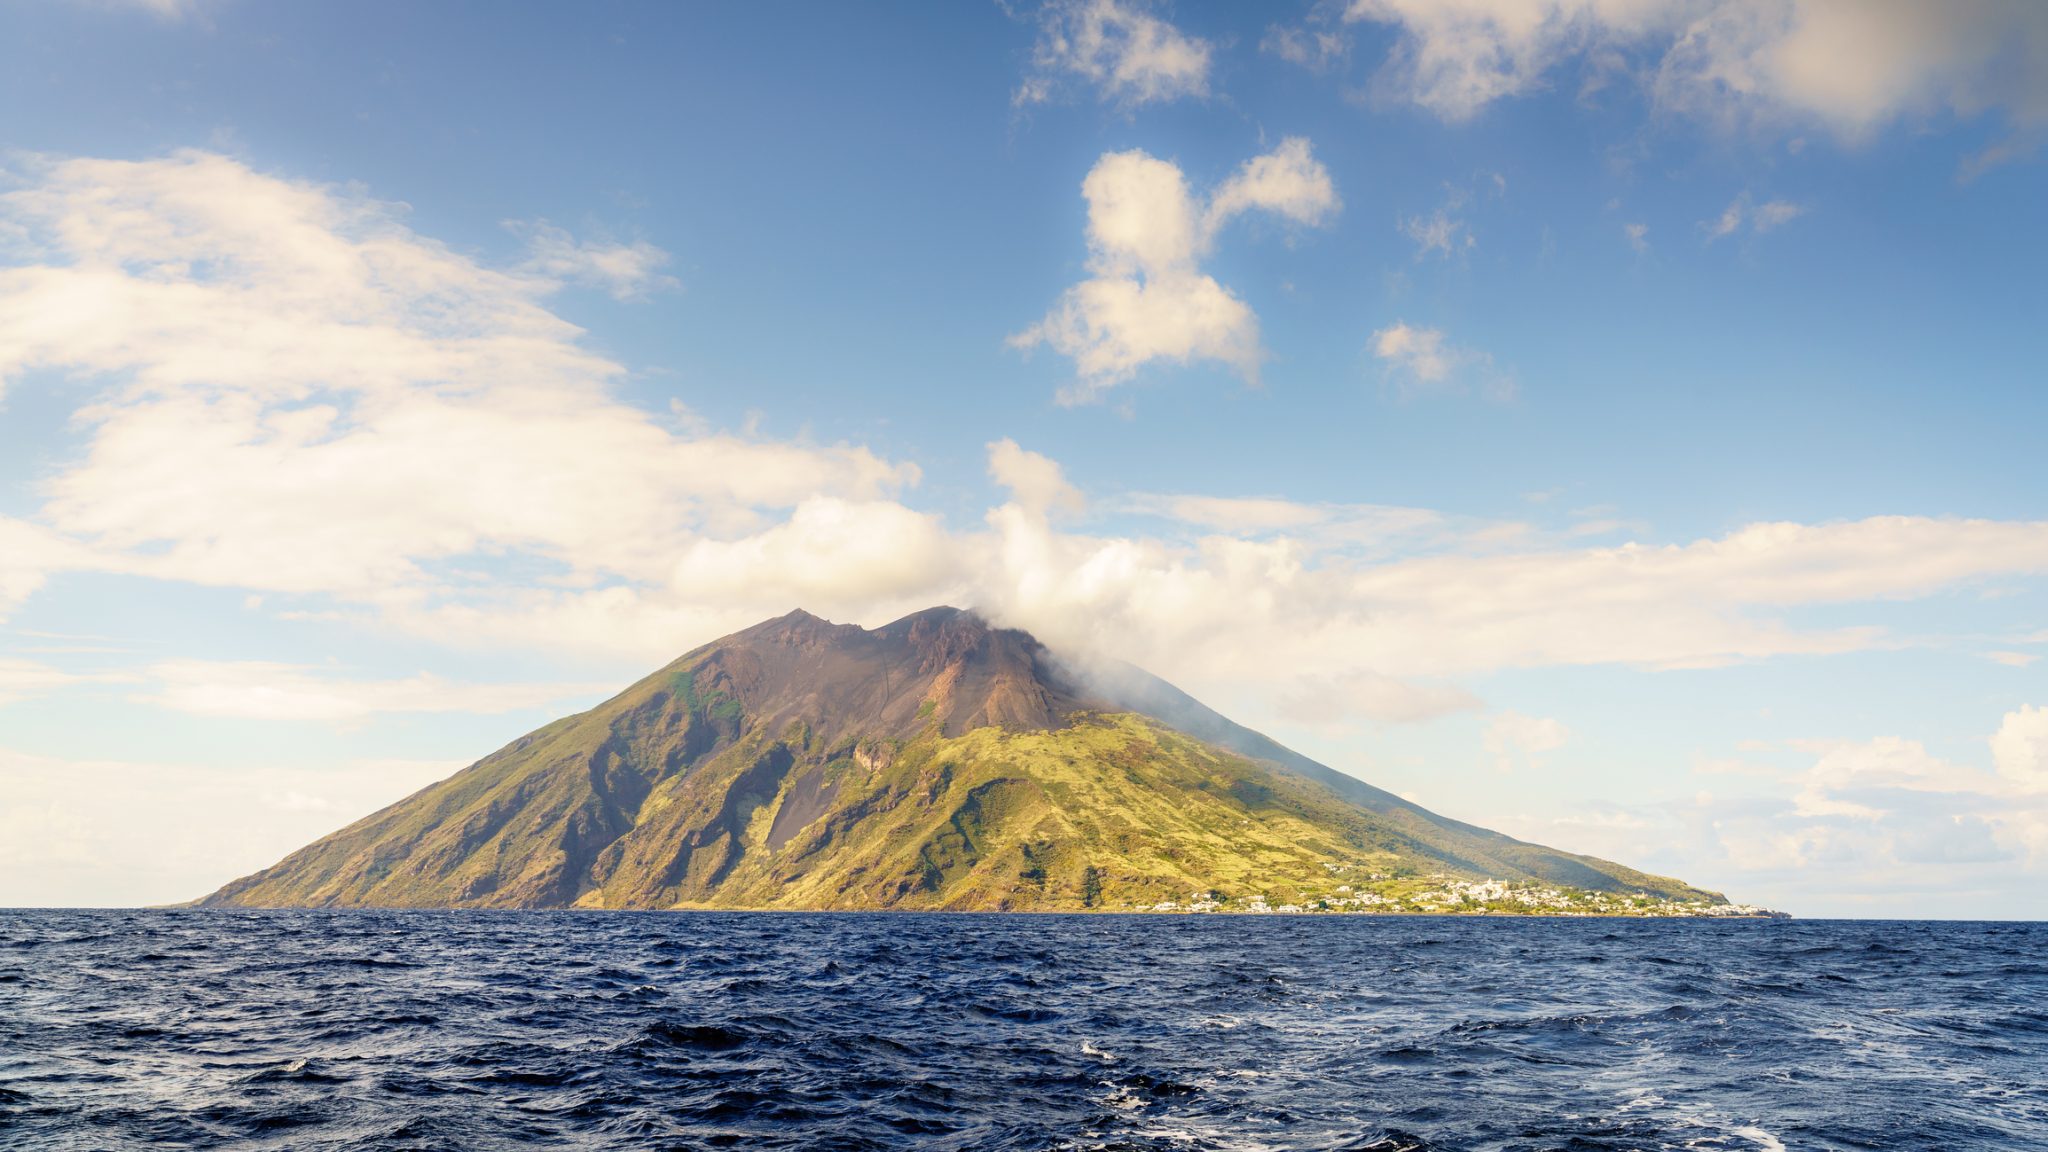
{"type": "Point", "coordinates": [429, 1030]}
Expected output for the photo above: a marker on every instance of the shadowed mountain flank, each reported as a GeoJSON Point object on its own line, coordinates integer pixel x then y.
{"type": "Point", "coordinates": [934, 762]}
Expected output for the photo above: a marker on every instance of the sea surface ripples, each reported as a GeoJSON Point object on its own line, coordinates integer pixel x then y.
{"type": "Point", "coordinates": [434, 1030]}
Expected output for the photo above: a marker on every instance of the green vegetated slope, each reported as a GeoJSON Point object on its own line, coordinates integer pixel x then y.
{"type": "Point", "coordinates": [934, 763]}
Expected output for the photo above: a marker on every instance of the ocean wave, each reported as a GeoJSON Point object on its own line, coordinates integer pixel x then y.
{"type": "Point", "coordinates": [402, 1030]}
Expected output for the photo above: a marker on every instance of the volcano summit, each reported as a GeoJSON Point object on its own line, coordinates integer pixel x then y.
{"type": "Point", "coordinates": [933, 763]}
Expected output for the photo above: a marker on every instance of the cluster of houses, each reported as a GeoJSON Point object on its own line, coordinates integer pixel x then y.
{"type": "Point", "coordinates": [1447, 894]}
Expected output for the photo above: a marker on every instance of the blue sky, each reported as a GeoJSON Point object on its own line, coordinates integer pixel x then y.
{"type": "Point", "coordinates": [1614, 424]}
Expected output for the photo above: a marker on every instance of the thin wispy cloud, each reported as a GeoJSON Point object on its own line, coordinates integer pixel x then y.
{"type": "Point", "coordinates": [1316, 49]}
{"type": "Point", "coordinates": [1758, 218]}
{"type": "Point", "coordinates": [627, 271]}
{"type": "Point", "coordinates": [1773, 213]}
{"type": "Point", "coordinates": [1515, 740]}
{"type": "Point", "coordinates": [268, 690]}
{"type": "Point", "coordinates": [1860, 817]}
{"type": "Point", "coordinates": [171, 828]}
{"type": "Point", "coordinates": [1438, 233]}
{"type": "Point", "coordinates": [1420, 360]}
{"type": "Point", "coordinates": [1351, 696]}
{"type": "Point", "coordinates": [22, 679]}
{"type": "Point", "coordinates": [1120, 49]}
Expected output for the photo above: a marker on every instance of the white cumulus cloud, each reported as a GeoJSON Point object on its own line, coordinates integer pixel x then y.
{"type": "Point", "coordinates": [1147, 298]}
{"type": "Point", "coordinates": [1849, 65]}
{"type": "Point", "coordinates": [1846, 770]}
{"type": "Point", "coordinates": [2020, 748]}
{"type": "Point", "coordinates": [285, 391]}
{"type": "Point", "coordinates": [1288, 182]}
{"type": "Point", "coordinates": [290, 391]}
{"type": "Point", "coordinates": [1035, 481]}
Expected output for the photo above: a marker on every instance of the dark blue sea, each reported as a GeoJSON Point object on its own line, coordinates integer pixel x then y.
{"type": "Point", "coordinates": [425, 1030]}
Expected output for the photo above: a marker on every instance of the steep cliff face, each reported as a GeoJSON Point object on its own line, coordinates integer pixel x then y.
{"type": "Point", "coordinates": [936, 762]}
